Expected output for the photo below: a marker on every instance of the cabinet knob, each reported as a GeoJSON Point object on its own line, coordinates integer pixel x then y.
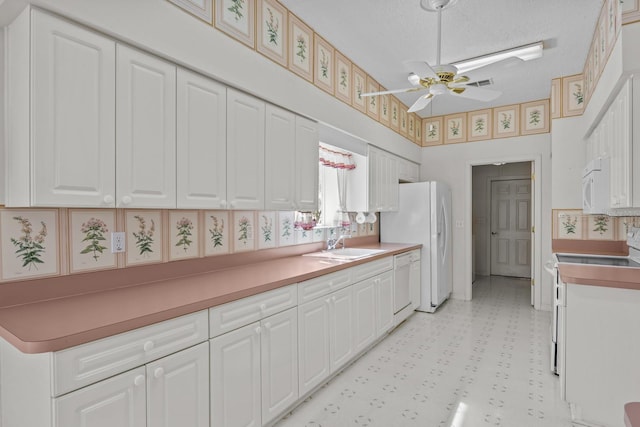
{"type": "Point", "coordinates": [126, 200]}
{"type": "Point", "coordinates": [108, 199]}
{"type": "Point", "coordinates": [258, 330]}
{"type": "Point", "coordinates": [158, 372]}
{"type": "Point", "coordinates": [232, 204]}
{"type": "Point", "coordinates": [223, 203]}
{"type": "Point", "coordinates": [138, 380]}
{"type": "Point", "coordinates": [267, 326]}
{"type": "Point", "coordinates": [263, 307]}
{"type": "Point", "coordinates": [148, 346]}
{"type": "Point", "coordinates": [333, 300]}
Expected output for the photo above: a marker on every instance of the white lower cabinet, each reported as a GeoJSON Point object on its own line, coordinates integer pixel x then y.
{"type": "Point", "coordinates": [118, 401]}
{"type": "Point", "coordinates": [254, 371]}
{"type": "Point", "coordinates": [170, 392]}
{"type": "Point", "coordinates": [178, 389]}
{"type": "Point", "coordinates": [341, 347]}
{"type": "Point", "coordinates": [384, 303]}
{"type": "Point", "coordinates": [313, 344]}
{"type": "Point", "coordinates": [364, 313]}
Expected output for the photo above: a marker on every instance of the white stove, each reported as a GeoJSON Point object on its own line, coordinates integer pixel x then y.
{"type": "Point", "coordinates": [559, 291]}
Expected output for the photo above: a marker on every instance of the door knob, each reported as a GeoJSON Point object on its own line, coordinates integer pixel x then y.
{"type": "Point", "coordinates": [494, 233]}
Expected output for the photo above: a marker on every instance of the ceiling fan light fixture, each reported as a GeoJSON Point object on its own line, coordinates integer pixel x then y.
{"type": "Point", "coordinates": [435, 5]}
{"type": "Point", "coordinates": [525, 53]}
{"type": "Point", "coordinates": [414, 79]}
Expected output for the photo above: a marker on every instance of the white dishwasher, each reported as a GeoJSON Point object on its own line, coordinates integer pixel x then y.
{"type": "Point", "coordinates": [402, 291]}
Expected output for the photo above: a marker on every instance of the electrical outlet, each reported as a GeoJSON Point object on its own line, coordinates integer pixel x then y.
{"type": "Point", "coordinates": [459, 223]}
{"type": "Point", "coordinates": [117, 242]}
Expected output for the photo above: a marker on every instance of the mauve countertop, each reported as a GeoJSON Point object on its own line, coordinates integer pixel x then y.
{"type": "Point", "coordinates": [600, 275]}
{"type": "Point", "coordinates": [58, 323]}
{"type": "Point", "coordinates": [632, 414]}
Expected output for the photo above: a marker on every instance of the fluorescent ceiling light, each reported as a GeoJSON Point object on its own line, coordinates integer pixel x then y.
{"type": "Point", "coordinates": [525, 53]}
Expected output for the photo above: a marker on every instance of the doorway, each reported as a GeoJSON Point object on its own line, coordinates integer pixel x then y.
{"type": "Point", "coordinates": [502, 217]}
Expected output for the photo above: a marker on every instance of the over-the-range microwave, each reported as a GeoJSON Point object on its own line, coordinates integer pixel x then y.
{"type": "Point", "coordinates": [595, 186]}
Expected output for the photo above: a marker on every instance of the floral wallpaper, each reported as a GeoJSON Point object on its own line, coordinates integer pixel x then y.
{"type": "Point", "coordinates": [574, 225]}
{"type": "Point", "coordinates": [50, 242]}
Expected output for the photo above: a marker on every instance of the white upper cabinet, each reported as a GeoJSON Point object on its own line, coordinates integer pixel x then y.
{"type": "Point", "coordinates": [145, 130]}
{"type": "Point", "coordinates": [63, 135]}
{"type": "Point", "coordinates": [280, 158]}
{"type": "Point", "coordinates": [245, 151]}
{"type": "Point", "coordinates": [201, 153]}
{"type": "Point", "coordinates": [291, 162]}
{"type": "Point", "coordinates": [306, 164]}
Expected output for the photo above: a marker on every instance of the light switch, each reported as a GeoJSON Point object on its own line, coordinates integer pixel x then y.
{"type": "Point", "coordinates": [459, 223]}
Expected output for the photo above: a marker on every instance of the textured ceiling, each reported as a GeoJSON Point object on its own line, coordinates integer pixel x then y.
{"type": "Point", "coordinates": [378, 35]}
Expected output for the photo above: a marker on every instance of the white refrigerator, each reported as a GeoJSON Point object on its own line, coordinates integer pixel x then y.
{"type": "Point", "coordinates": [424, 216]}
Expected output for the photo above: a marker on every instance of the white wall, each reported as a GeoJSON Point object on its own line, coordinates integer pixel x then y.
{"type": "Point", "coordinates": [161, 28]}
{"type": "Point", "coordinates": [2, 116]}
{"type": "Point", "coordinates": [452, 164]}
{"type": "Point", "coordinates": [569, 154]}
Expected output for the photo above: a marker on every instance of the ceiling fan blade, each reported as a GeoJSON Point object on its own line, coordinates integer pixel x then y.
{"type": "Point", "coordinates": [421, 69]}
{"type": "Point", "coordinates": [475, 93]}
{"type": "Point", "coordinates": [461, 79]}
{"type": "Point", "coordinates": [420, 103]}
{"type": "Point", "coordinates": [385, 92]}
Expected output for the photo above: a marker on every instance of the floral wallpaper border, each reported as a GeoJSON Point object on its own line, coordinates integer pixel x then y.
{"type": "Point", "coordinates": [37, 243]}
{"type": "Point", "coordinates": [574, 225]}
{"type": "Point", "coordinates": [234, 17]}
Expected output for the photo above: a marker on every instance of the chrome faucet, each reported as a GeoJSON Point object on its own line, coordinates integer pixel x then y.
{"type": "Point", "coordinates": [333, 243]}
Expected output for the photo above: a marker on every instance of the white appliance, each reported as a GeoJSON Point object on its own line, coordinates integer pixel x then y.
{"type": "Point", "coordinates": [595, 186]}
{"type": "Point", "coordinates": [558, 325]}
{"type": "Point", "coordinates": [424, 216]}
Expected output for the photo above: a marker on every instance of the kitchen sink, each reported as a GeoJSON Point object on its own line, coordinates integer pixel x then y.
{"type": "Point", "coordinates": [346, 253]}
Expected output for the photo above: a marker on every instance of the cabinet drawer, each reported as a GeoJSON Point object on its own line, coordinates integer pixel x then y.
{"type": "Point", "coordinates": [233, 315]}
{"type": "Point", "coordinates": [323, 285]}
{"type": "Point", "coordinates": [373, 268]}
{"type": "Point", "coordinates": [85, 364]}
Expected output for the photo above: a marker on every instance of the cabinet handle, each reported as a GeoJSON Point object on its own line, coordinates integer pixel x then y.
{"type": "Point", "coordinates": [108, 199]}
{"type": "Point", "coordinates": [148, 346]}
{"type": "Point", "coordinates": [223, 203]}
{"type": "Point", "coordinates": [138, 380]}
{"type": "Point", "coordinates": [158, 372]}
{"type": "Point", "coordinates": [258, 330]}
{"type": "Point", "coordinates": [126, 200]}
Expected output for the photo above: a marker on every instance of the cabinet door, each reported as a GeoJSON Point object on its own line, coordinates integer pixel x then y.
{"type": "Point", "coordinates": [117, 401]}
{"type": "Point", "coordinates": [145, 130]}
{"type": "Point", "coordinates": [245, 151]}
{"type": "Point", "coordinates": [620, 167]}
{"type": "Point", "coordinates": [73, 115]}
{"type": "Point", "coordinates": [235, 378]}
{"type": "Point", "coordinates": [178, 389]}
{"type": "Point", "coordinates": [280, 159]}
{"type": "Point", "coordinates": [279, 360]}
{"type": "Point", "coordinates": [384, 303]}
{"type": "Point", "coordinates": [306, 164]}
{"type": "Point", "coordinates": [374, 180]}
{"type": "Point", "coordinates": [313, 344]}
{"type": "Point", "coordinates": [201, 152]}
{"type": "Point", "coordinates": [341, 324]}
{"type": "Point", "coordinates": [414, 284]}
{"type": "Point", "coordinates": [392, 188]}
{"type": "Point", "coordinates": [364, 314]}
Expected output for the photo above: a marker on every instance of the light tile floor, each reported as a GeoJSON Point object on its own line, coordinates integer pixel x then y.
{"type": "Point", "coordinates": [483, 362]}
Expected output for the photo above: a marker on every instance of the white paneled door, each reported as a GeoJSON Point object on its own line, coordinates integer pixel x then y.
{"type": "Point", "coordinates": [118, 401]}
{"type": "Point", "coordinates": [201, 152]}
{"type": "Point", "coordinates": [145, 130]}
{"type": "Point", "coordinates": [178, 389]}
{"type": "Point", "coordinates": [73, 115]}
{"type": "Point", "coordinates": [511, 228]}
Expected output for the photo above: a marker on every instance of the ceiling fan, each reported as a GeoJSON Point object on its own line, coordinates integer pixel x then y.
{"type": "Point", "coordinates": [441, 79]}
